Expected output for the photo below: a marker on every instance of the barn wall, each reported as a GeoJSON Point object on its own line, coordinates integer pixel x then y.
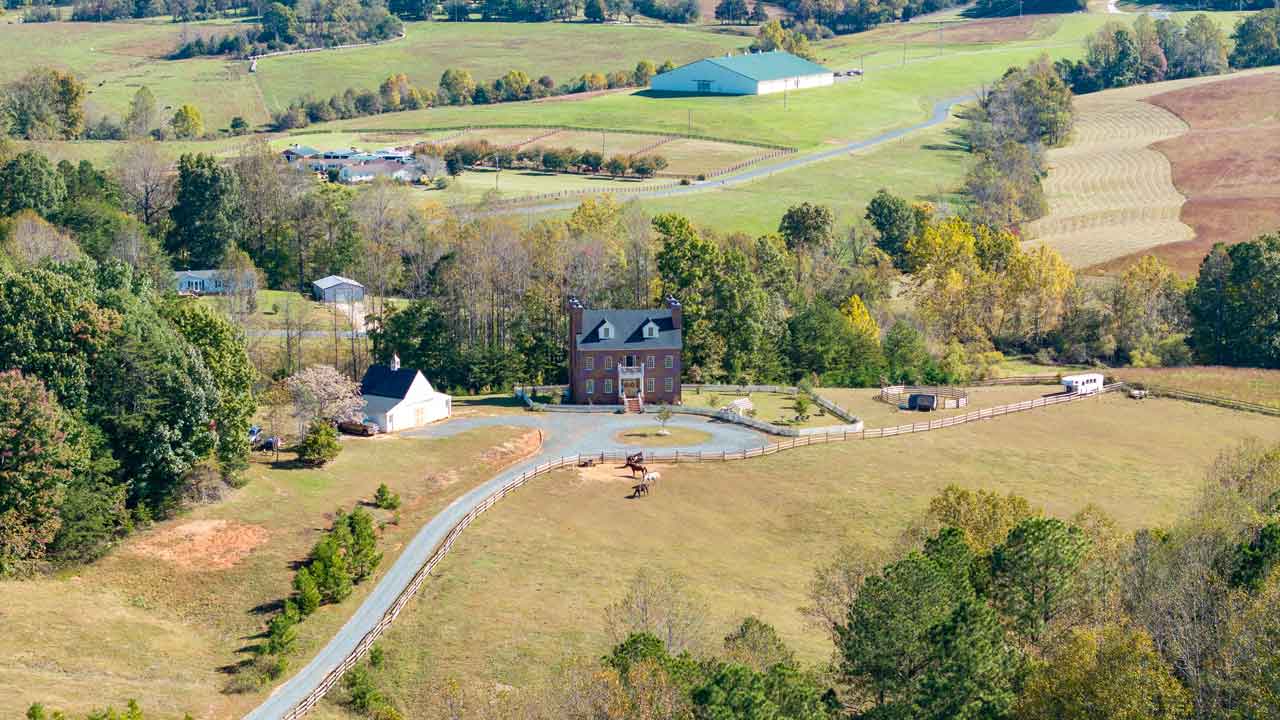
{"type": "Point", "coordinates": [685, 80]}
{"type": "Point", "coordinates": [797, 83]}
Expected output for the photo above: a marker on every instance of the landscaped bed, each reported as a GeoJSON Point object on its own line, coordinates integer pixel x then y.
{"type": "Point", "coordinates": [676, 436]}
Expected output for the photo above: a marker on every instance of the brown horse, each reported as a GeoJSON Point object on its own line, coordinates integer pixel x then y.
{"type": "Point", "coordinates": [634, 463]}
{"type": "Point", "coordinates": [639, 490]}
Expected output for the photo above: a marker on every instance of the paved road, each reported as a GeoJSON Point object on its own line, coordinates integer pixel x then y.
{"type": "Point", "coordinates": [941, 111]}
{"type": "Point", "coordinates": [564, 434]}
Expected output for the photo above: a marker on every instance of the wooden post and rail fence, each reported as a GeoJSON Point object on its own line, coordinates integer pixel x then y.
{"type": "Point", "coordinates": [671, 457]}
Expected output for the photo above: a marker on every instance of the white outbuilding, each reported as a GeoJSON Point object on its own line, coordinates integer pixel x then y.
{"type": "Point", "coordinates": [749, 74]}
{"type": "Point", "coordinates": [399, 398]}
{"type": "Point", "coordinates": [1084, 383]}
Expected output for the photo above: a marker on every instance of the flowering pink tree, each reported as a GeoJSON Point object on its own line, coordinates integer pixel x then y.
{"type": "Point", "coordinates": [320, 391]}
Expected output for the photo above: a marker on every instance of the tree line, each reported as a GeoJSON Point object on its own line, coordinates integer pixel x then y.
{"type": "Point", "coordinates": [456, 87]}
{"type": "Point", "coordinates": [1151, 51]}
{"type": "Point", "coordinates": [536, 157]}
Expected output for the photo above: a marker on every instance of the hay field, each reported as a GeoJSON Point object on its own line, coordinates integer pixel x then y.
{"type": "Point", "coordinates": [1109, 193]}
{"type": "Point", "coordinates": [1166, 169]}
{"type": "Point", "coordinates": [526, 585]}
{"type": "Point", "coordinates": [1228, 166]}
{"type": "Point", "coordinates": [162, 616]}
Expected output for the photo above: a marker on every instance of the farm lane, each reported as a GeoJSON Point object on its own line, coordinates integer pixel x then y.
{"type": "Point", "coordinates": [563, 434]}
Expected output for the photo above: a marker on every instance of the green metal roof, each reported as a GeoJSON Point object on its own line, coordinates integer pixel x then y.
{"type": "Point", "coordinates": [768, 65]}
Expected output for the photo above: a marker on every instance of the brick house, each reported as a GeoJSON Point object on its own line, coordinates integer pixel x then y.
{"type": "Point", "coordinates": [624, 357]}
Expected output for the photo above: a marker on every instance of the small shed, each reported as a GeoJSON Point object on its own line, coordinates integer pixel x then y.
{"type": "Point", "coordinates": [399, 398]}
{"type": "Point", "coordinates": [336, 288]}
{"type": "Point", "coordinates": [922, 402]}
{"type": "Point", "coordinates": [1084, 383]}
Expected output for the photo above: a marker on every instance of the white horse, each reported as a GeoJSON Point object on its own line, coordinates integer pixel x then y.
{"type": "Point", "coordinates": [651, 477]}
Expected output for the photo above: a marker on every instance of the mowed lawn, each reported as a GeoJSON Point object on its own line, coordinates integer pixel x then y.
{"type": "Point", "coordinates": [527, 584]}
{"type": "Point", "coordinates": [158, 617]}
{"type": "Point", "coordinates": [923, 165]}
{"type": "Point", "coordinates": [1253, 385]}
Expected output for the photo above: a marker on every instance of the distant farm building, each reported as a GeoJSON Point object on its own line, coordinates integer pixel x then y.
{"type": "Point", "coordinates": [751, 74]}
{"type": "Point", "coordinates": [336, 288]}
{"type": "Point", "coordinates": [399, 398]}
{"type": "Point", "coordinates": [212, 282]}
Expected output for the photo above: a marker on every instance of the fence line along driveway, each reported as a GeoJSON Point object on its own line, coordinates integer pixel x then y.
{"type": "Point", "coordinates": [376, 613]}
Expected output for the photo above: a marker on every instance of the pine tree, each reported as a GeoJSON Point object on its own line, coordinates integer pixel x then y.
{"type": "Point", "coordinates": [308, 594]}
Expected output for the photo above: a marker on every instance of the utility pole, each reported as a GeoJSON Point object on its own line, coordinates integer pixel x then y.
{"type": "Point", "coordinates": [689, 131]}
{"type": "Point", "coordinates": [904, 52]}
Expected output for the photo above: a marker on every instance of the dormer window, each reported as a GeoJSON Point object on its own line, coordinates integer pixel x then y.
{"type": "Point", "coordinates": [606, 331]}
{"type": "Point", "coordinates": [651, 329]}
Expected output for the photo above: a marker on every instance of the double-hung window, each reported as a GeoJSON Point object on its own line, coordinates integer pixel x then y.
{"type": "Point", "coordinates": [589, 363]}
{"type": "Point", "coordinates": [669, 362]}
{"type": "Point", "coordinates": [591, 386]}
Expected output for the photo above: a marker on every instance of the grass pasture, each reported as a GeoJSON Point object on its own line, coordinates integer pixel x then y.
{"type": "Point", "coordinates": [526, 585]}
{"type": "Point", "coordinates": [487, 50]}
{"type": "Point", "coordinates": [474, 186]}
{"type": "Point", "coordinates": [157, 618]}
{"type": "Point", "coordinates": [864, 403]}
{"type": "Point", "coordinates": [1246, 384]}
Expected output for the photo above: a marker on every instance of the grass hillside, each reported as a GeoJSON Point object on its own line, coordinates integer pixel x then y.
{"type": "Point", "coordinates": [166, 616]}
{"type": "Point", "coordinates": [526, 585]}
{"type": "Point", "coordinates": [487, 50]}
{"type": "Point", "coordinates": [116, 58]}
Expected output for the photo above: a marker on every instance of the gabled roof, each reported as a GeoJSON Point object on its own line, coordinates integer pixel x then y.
{"type": "Point", "coordinates": [628, 326]}
{"type": "Point", "coordinates": [382, 381]}
{"type": "Point", "coordinates": [302, 150]}
{"type": "Point", "coordinates": [325, 283]}
{"type": "Point", "coordinates": [764, 66]}
{"type": "Point", "coordinates": [197, 274]}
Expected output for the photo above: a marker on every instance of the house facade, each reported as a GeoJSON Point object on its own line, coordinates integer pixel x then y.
{"type": "Point", "coordinates": [398, 398]}
{"type": "Point", "coordinates": [336, 288]}
{"type": "Point", "coordinates": [749, 74]}
{"type": "Point", "coordinates": [211, 282]}
{"type": "Point", "coordinates": [625, 357]}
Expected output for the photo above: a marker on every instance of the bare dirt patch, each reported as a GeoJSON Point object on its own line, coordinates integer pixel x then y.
{"type": "Point", "coordinates": [202, 544]}
{"type": "Point", "coordinates": [518, 448]}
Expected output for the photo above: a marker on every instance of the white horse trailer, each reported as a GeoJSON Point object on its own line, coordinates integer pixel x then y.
{"type": "Point", "coordinates": [1084, 383]}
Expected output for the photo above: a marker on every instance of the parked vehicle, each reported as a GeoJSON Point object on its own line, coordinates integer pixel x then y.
{"type": "Point", "coordinates": [365, 429]}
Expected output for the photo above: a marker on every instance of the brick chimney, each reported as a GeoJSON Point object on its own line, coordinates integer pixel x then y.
{"type": "Point", "coordinates": [575, 308]}
{"type": "Point", "coordinates": [676, 310]}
